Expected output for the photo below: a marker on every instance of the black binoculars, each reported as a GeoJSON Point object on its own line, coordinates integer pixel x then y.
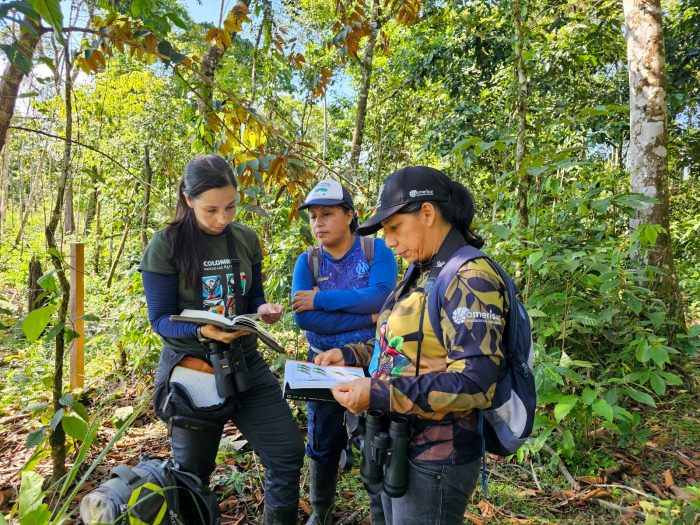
{"type": "Point", "coordinates": [384, 454]}
{"type": "Point", "coordinates": [230, 369]}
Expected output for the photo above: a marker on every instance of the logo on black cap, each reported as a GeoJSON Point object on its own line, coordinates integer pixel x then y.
{"type": "Point", "coordinates": [420, 193]}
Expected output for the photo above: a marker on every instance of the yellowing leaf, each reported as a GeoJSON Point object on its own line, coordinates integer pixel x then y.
{"type": "Point", "coordinates": [211, 34]}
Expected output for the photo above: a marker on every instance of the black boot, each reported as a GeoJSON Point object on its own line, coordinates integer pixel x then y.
{"type": "Point", "coordinates": [324, 477]}
{"type": "Point", "coordinates": [280, 515]}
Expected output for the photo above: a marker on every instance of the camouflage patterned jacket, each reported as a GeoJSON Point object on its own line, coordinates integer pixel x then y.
{"type": "Point", "coordinates": [442, 385]}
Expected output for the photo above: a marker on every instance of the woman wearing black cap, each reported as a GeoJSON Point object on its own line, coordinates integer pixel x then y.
{"type": "Point", "coordinates": [435, 368]}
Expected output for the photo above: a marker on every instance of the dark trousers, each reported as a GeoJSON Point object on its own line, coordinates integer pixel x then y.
{"type": "Point", "coordinates": [327, 435]}
{"type": "Point", "coordinates": [436, 494]}
{"type": "Point", "coordinates": [265, 420]}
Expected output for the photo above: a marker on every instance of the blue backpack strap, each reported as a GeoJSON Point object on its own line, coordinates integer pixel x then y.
{"type": "Point", "coordinates": [448, 272]}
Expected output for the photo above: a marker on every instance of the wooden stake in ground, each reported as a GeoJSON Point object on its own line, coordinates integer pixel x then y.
{"type": "Point", "coordinates": [77, 310]}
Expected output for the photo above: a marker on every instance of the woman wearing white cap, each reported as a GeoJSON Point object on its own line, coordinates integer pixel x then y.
{"type": "Point", "coordinates": [337, 289]}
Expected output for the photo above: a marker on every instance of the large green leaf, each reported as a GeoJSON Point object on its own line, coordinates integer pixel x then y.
{"type": "Point", "coordinates": [75, 427]}
{"type": "Point", "coordinates": [17, 58]}
{"type": "Point", "coordinates": [641, 397]}
{"type": "Point", "coordinates": [35, 437]}
{"type": "Point", "coordinates": [50, 10]}
{"type": "Point", "coordinates": [588, 395]}
{"type": "Point", "coordinates": [658, 384]}
{"type": "Point", "coordinates": [564, 406]}
{"type": "Point", "coordinates": [36, 321]}
{"type": "Point", "coordinates": [31, 498]}
{"type": "Point", "coordinates": [659, 355]}
{"type": "Point", "coordinates": [603, 409]}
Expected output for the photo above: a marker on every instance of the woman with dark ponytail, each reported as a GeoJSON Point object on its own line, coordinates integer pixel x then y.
{"type": "Point", "coordinates": [432, 365]}
{"type": "Point", "coordinates": [204, 261]}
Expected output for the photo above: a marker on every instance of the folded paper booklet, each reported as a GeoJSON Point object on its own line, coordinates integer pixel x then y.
{"type": "Point", "coordinates": [240, 322]}
{"type": "Point", "coordinates": [308, 381]}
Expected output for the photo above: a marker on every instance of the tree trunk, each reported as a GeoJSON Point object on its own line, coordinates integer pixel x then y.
{"type": "Point", "coordinates": [146, 197]}
{"type": "Point", "coordinates": [90, 210]}
{"type": "Point", "coordinates": [4, 185]}
{"type": "Point", "coordinates": [358, 133]}
{"type": "Point", "coordinates": [647, 151]}
{"type": "Point", "coordinates": [57, 438]}
{"type": "Point", "coordinates": [98, 237]}
{"type": "Point", "coordinates": [523, 178]}
{"type": "Point", "coordinates": [35, 291]}
{"type": "Point", "coordinates": [69, 218]}
{"type": "Point", "coordinates": [117, 256]}
{"type": "Point", "coordinates": [12, 77]}
{"type": "Point", "coordinates": [209, 64]}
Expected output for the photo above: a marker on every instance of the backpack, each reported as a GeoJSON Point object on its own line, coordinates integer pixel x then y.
{"type": "Point", "coordinates": [314, 258]}
{"type": "Point", "coordinates": [508, 423]}
{"type": "Point", "coordinates": [153, 492]}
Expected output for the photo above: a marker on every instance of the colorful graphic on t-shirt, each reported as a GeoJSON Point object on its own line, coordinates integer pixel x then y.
{"type": "Point", "coordinates": [231, 295]}
{"type": "Point", "coordinates": [211, 288]}
{"type": "Point", "coordinates": [216, 306]}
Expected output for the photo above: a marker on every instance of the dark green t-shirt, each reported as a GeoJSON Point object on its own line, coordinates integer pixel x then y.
{"type": "Point", "coordinates": [216, 290]}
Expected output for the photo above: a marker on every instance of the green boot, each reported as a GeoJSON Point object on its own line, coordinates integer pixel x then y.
{"type": "Point", "coordinates": [324, 477]}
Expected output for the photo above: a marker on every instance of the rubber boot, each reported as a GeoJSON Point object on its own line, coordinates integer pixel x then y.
{"type": "Point", "coordinates": [324, 477]}
{"type": "Point", "coordinates": [280, 515]}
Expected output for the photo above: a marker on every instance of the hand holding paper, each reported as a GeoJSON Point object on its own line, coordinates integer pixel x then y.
{"type": "Point", "coordinates": [354, 395]}
{"type": "Point", "coordinates": [332, 357]}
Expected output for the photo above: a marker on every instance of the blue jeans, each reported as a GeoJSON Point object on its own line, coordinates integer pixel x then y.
{"type": "Point", "coordinates": [327, 436]}
{"type": "Point", "coordinates": [436, 494]}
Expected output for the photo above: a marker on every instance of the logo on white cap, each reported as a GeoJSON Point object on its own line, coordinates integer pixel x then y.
{"type": "Point", "coordinates": [327, 190]}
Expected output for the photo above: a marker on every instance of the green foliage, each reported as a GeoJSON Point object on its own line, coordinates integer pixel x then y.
{"type": "Point", "coordinates": [32, 509]}
{"type": "Point", "coordinates": [50, 10]}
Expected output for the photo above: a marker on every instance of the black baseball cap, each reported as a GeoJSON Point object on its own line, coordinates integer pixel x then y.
{"type": "Point", "coordinates": [407, 185]}
{"type": "Point", "coordinates": [328, 193]}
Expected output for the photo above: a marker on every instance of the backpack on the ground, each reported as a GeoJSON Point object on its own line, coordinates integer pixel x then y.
{"type": "Point", "coordinates": [314, 257]}
{"type": "Point", "coordinates": [153, 492]}
{"type": "Point", "coordinates": [508, 423]}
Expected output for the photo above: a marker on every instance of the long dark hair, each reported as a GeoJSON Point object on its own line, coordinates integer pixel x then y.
{"type": "Point", "coordinates": [457, 211]}
{"type": "Point", "coordinates": [187, 249]}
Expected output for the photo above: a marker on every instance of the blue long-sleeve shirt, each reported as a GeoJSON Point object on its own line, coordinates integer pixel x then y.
{"type": "Point", "coordinates": [345, 310]}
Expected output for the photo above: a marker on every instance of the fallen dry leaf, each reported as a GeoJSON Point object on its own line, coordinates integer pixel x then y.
{"type": "Point", "coordinates": [686, 462]}
{"type": "Point", "coordinates": [656, 489]}
{"type": "Point", "coordinates": [486, 508]}
{"type": "Point", "coordinates": [668, 479]}
{"type": "Point", "coordinates": [596, 493]}
{"type": "Point", "coordinates": [305, 507]}
{"type": "Point", "coordinates": [473, 519]}
{"type": "Point", "coordinates": [681, 494]}
{"type": "Point", "coordinates": [634, 469]}
{"type": "Point", "coordinates": [569, 493]}
{"type": "Point", "coordinates": [529, 492]}
{"type": "Point", "coordinates": [591, 480]}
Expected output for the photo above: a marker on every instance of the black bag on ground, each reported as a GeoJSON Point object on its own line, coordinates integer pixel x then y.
{"type": "Point", "coordinates": [153, 492]}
